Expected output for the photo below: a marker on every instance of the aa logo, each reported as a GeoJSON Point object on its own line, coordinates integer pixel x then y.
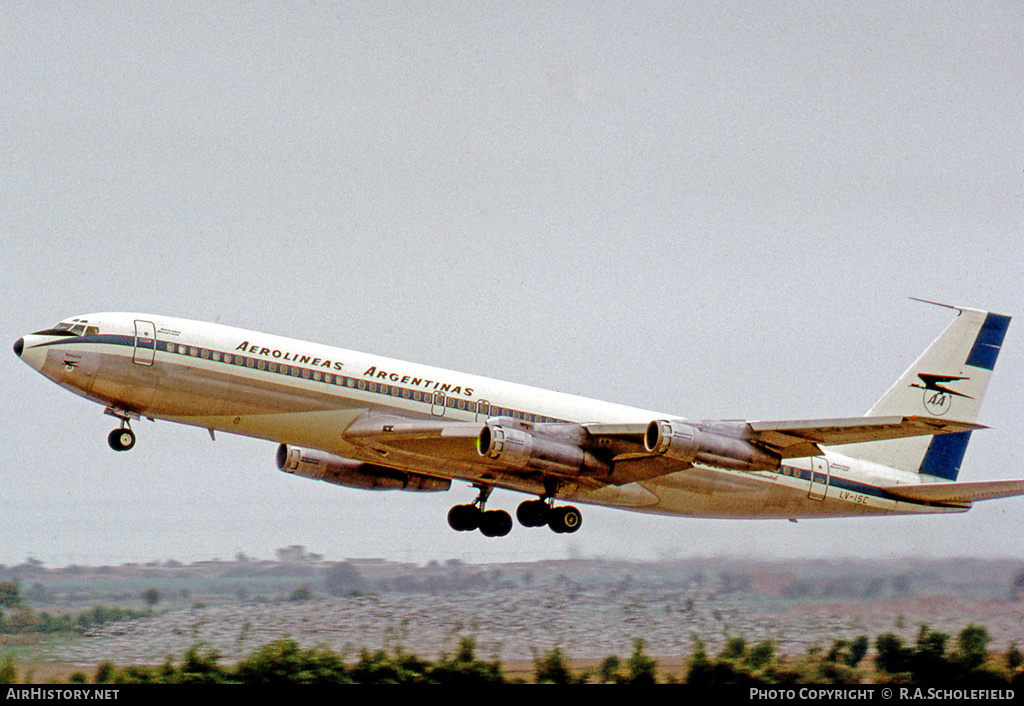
{"type": "Point", "coordinates": [937, 402]}
{"type": "Point", "coordinates": [937, 397]}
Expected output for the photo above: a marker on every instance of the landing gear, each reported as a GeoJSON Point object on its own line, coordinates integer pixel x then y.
{"type": "Point", "coordinates": [537, 513]}
{"type": "Point", "coordinates": [121, 439]}
{"type": "Point", "coordinates": [565, 520]}
{"type": "Point", "coordinates": [533, 513]}
{"type": "Point", "coordinates": [491, 523]}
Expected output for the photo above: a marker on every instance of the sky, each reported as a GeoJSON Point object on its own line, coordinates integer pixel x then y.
{"type": "Point", "coordinates": [708, 209]}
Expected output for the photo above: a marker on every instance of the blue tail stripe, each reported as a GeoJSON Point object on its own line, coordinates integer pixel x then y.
{"type": "Point", "coordinates": [945, 454]}
{"type": "Point", "coordinates": [990, 338]}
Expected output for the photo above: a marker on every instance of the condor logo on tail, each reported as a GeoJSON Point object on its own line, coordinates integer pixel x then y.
{"type": "Point", "coordinates": [937, 397]}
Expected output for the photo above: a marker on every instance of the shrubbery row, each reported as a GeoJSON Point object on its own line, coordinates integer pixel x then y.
{"type": "Point", "coordinates": [931, 660]}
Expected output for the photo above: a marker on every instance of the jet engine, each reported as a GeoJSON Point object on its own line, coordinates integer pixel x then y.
{"type": "Point", "coordinates": [518, 446]}
{"type": "Point", "coordinates": [319, 465]}
{"type": "Point", "coordinates": [690, 444]}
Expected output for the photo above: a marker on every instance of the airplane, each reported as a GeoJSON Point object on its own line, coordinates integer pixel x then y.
{"type": "Point", "coordinates": [365, 421]}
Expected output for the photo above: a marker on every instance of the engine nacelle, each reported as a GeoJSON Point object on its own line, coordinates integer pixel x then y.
{"type": "Point", "coordinates": [689, 444]}
{"type": "Point", "coordinates": [319, 465]}
{"type": "Point", "coordinates": [514, 446]}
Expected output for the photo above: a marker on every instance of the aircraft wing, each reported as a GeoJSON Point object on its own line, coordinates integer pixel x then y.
{"type": "Point", "coordinates": [632, 461]}
{"type": "Point", "coordinates": [620, 448]}
{"type": "Point", "coordinates": [803, 438]}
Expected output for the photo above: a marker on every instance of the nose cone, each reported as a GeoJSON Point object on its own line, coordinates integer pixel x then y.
{"type": "Point", "coordinates": [30, 351]}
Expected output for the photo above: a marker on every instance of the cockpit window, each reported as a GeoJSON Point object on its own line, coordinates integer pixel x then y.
{"type": "Point", "coordinates": [75, 327]}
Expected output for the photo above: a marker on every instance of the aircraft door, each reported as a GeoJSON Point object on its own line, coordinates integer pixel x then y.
{"type": "Point", "coordinates": [438, 404]}
{"type": "Point", "coordinates": [483, 410]}
{"type": "Point", "coordinates": [819, 478]}
{"type": "Point", "coordinates": [145, 343]}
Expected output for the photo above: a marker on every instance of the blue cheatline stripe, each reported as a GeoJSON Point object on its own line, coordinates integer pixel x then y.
{"type": "Point", "coordinates": [990, 338]}
{"type": "Point", "coordinates": [855, 486]}
{"type": "Point", "coordinates": [945, 454]}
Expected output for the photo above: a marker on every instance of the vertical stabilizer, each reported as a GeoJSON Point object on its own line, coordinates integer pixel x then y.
{"type": "Point", "coordinates": [948, 381]}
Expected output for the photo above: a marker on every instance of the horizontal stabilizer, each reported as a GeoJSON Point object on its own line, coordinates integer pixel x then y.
{"type": "Point", "coordinates": [957, 492]}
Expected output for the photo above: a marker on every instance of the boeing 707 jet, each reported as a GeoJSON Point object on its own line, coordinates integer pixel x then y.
{"type": "Point", "coordinates": [365, 421]}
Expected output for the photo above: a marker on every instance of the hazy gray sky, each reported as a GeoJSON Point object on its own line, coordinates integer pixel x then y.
{"type": "Point", "coordinates": [708, 210]}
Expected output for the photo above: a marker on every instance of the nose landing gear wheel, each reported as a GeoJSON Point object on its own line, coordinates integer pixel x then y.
{"type": "Point", "coordinates": [121, 439]}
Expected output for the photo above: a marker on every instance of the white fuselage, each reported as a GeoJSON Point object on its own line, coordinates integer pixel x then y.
{"type": "Point", "coordinates": [305, 394]}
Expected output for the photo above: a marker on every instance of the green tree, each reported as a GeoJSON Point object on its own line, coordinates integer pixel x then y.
{"type": "Point", "coordinates": [8, 672]}
{"type": "Point", "coordinates": [464, 668]}
{"type": "Point", "coordinates": [608, 671]}
{"type": "Point", "coordinates": [972, 646]}
{"type": "Point", "coordinates": [10, 596]}
{"type": "Point", "coordinates": [302, 593]}
{"type": "Point", "coordinates": [552, 668]}
{"type": "Point", "coordinates": [891, 655]}
{"type": "Point", "coordinates": [200, 666]}
{"type": "Point", "coordinates": [284, 662]}
{"type": "Point", "coordinates": [642, 669]}
{"type": "Point", "coordinates": [151, 596]}
{"type": "Point", "coordinates": [929, 662]}
{"type": "Point", "coordinates": [1014, 658]}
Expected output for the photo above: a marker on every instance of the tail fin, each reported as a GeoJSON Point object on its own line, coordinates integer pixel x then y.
{"type": "Point", "coordinates": [948, 380]}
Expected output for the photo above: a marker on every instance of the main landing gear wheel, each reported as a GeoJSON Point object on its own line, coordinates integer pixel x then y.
{"type": "Point", "coordinates": [464, 518]}
{"type": "Point", "coordinates": [121, 439]}
{"type": "Point", "coordinates": [537, 513]}
{"type": "Point", "coordinates": [533, 513]}
{"type": "Point", "coordinates": [565, 520]}
{"type": "Point", "coordinates": [491, 523]}
{"type": "Point", "coordinates": [495, 523]}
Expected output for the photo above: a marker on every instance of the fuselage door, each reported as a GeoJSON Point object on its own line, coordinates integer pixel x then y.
{"type": "Point", "coordinates": [819, 478]}
{"type": "Point", "coordinates": [483, 410]}
{"type": "Point", "coordinates": [145, 343]}
{"type": "Point", "coordinates": [438, 404]}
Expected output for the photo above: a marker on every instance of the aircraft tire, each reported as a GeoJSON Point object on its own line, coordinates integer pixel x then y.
{"type": "Point", "coordinates": [533, 513]}
{"type": "Point", "coordinates": [464, 518]}
{"type": "Point", "coordinates": [565, 520]}
{"type": "Point", "coordinates": [121, 439]}
{"type": "Point", "coordinates": [495, 523]}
